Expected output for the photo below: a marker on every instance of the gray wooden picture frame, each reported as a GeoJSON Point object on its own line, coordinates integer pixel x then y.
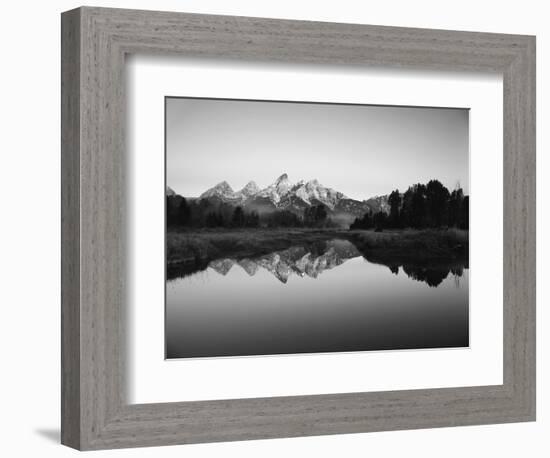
{"type": "Point", "coordinates": [95, 413]}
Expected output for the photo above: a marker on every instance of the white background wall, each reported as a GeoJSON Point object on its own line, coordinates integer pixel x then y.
{"type": "Point", "coordinates": [29, 240]}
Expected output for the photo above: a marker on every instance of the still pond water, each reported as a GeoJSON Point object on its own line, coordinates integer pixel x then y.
{"type": "Point", "coordinates": [299, 301]}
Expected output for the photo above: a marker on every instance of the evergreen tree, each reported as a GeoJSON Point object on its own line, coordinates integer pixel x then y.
{"type": "Point", "coordinates": [315, 215]}
{"type": "Point", "coordinates": [252, 219]}
{"type": "Point", "coordinates": [238, 219]}
{"type": "Point", "coordinates": [211, 220]}
{"type": "Point", "coordinates": [380, 220]}
{"type": "Point", "coordinates": [456, 202]}
{"type": "Point", "coordinates": [395, 207]}
{"type": "Point", "coordinates": [169, 212]}
{"type": "Point", "coordinates": [184, 213]}
{"type": "Point", "coordinates": [418, 206]}
{"type": "Point", "coordinates": [437, 202]}
{"type": "Point", "coordinates": [465, 220]}
{"type": "Point", "coordinates": [406, 216]}
{"type": "Point", "coordinates": [363, 223]}
{"type": "Point", "coordinates": [221, 220]}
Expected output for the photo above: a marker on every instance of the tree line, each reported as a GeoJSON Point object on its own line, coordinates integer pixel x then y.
{"type": "Point", "coordinates": [316, 216]}
{"type": "Point", "coordinates": [183, 213]}
{"type": "Point", "coordinates": [428, 205]}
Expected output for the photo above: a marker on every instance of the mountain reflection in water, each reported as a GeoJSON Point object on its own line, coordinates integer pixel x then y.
{"type": "Point", "coordinates": [313, 260]}
{"type": "Point", "coordinates": [296, 260]}
{"type": "Point", "coordinates": [322, 297]}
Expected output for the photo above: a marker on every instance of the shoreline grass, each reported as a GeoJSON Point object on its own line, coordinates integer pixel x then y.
{"type": "Point", "coordinates": [388, 247]}
{"type": "Point", "coordinates": [189, 246]}
{"type": "Point", "coordinates": [413, 246]}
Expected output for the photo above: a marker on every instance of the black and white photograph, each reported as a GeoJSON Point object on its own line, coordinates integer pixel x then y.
{"type": "Point", "coordinates": [307, 227]}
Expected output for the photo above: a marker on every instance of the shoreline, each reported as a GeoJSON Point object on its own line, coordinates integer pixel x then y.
{"type": "Point", "coordinates": [188, 251]}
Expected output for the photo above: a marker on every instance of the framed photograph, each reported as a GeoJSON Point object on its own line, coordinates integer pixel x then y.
{"type": "Point", "coordinates": [336, 256]}
{"type": "Point", "coordinates": [279, 228]}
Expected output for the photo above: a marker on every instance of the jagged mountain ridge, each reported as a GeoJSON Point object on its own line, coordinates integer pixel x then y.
{"type": "Point", "coordinates": [296, 260]}
{"type": "Point", "coordinates": [295, 197]}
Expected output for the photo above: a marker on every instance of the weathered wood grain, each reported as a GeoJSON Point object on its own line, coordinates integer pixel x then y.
{"type": "Point", "coordinates": [70, 229]}
{"type": "Point", "coordinates": [95, 412]}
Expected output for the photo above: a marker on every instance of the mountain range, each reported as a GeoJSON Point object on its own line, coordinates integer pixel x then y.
{"type": "Point", "coordinates": [282, 194]}
{"type": "Point", "coordinates": [297, 260]}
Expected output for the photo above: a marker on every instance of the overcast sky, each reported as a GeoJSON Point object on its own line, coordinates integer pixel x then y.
{"type": "Point", "coordinates": [359, 150]}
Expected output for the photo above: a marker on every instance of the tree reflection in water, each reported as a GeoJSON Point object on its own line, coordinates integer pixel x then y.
{"type": "Point", "coordinates": [313, 260]}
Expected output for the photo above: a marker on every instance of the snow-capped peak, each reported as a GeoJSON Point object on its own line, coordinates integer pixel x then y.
{"type": "Point", "coordinates": [250, 189]}
{"type": "Point", "coordinates": [222, 189]}
{"type": "Point", "coordinates": [281, 193]}
{"type": "Point", "coordinates": [282, 185]}
{"type": "Point", "coordinates": [314, 191]}
{"type": "Point", "coordinates": [282, 178]}
{"type": "Point", "coordinates": [275, 191]}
